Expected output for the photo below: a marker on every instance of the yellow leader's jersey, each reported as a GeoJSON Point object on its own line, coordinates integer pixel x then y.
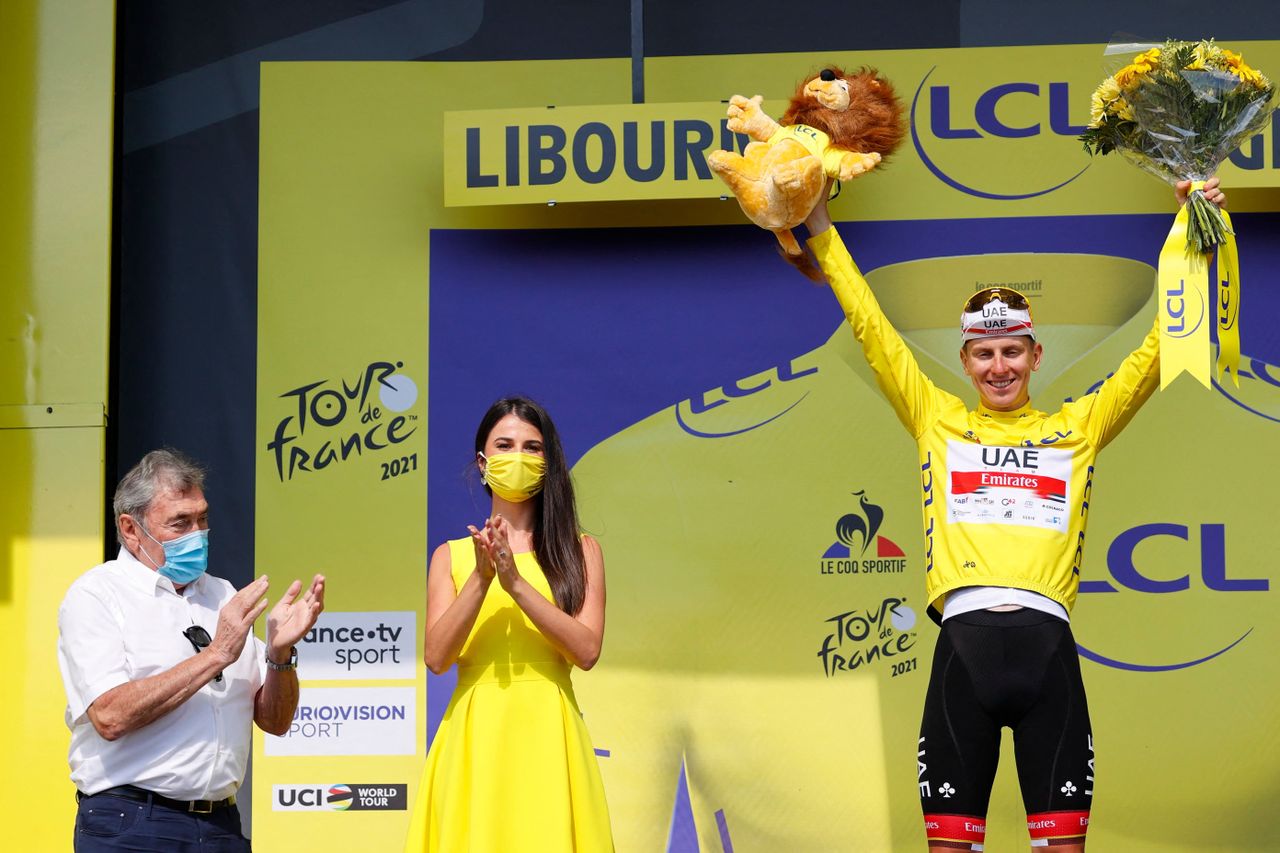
{"type": "Point", "coordinates": [815, 142]}
{"type": "Point", "coordinates": [1005, 495]}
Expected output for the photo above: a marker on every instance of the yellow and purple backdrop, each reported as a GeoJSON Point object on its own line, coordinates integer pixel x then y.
{"type": "Point", "coordinates": [433, 236]}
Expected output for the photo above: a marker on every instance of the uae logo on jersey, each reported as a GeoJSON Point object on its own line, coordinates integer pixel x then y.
{"type": "Point", "coordinates": [853, 553]}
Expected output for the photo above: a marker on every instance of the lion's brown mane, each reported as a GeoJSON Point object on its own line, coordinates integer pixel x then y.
{"type": "Point", "coordinates": [873, 121]}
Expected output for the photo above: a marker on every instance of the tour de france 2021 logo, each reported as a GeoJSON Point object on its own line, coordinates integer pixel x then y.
{"type": "Point", "coordinates": [866, 635]}
{"type": "Point", "coordinates": [855, 532]}
{"type": "Point", "coordinates": [333, 420]}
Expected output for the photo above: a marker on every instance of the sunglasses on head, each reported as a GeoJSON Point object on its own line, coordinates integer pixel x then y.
{"type": "Point", "coordinates": [200, 639]}
{"type": "Point", "coordinates": [1008, 296]}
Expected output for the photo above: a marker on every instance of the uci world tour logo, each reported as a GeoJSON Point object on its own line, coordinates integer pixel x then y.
{"type": "Point", "coordinates": [855, 532]}
{"type": "Point", "coordinates": [959, 137]}
{"type": "Point", "coordinates": [340, 797]}
{"type": "Point", "coordinates": [335, 419]}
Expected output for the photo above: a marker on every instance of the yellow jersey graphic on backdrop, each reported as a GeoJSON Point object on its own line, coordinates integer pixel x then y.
{"type": "Point", "coordinates": [765, 646]}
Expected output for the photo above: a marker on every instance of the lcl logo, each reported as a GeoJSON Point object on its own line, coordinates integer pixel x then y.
{"type": "Point", "coordinates": [947, 122]}
{"type": "Point", "coordinates": [1213, 562]}
{"type": "Point", "coordinates": [1181, 307]}
{"type": "Point", "coordinates": [1212, 574]}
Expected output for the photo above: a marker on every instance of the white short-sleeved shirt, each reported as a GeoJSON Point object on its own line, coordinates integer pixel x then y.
{"type": "Point", "coordinates": [120, 622]}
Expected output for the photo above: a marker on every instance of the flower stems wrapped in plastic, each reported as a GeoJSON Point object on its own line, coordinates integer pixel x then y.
{"type": "Point", "coordinates": [1177, 111]}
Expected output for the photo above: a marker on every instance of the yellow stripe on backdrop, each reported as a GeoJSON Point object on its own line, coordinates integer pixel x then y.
{"type": "Point", "coordinates": [352, 181]}
{"type": "Point", "coordinates": [55, 120]}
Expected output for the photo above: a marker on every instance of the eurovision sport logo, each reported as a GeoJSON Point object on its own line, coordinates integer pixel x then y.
{"type": "Point", "coordinates": [851, 553]}
{"type": "Point", "coordinates": [340, 798]}
{"type": "Point", "coordinates": [336, 419]}
{"type": "Point", "coordinates": [350, 721]}
{"type": "Point", "coordinates": [867, 635]}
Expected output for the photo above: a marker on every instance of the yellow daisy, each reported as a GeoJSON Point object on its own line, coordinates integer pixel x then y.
{"type": "Point", "coordinates": [1141, 65]}
{"type": "Point", "coordinates": [1108, 90]}
{"type": "Point", "coordinates": [1236, 65]}
{"type": "Point", "coordinates": [1096, 110]}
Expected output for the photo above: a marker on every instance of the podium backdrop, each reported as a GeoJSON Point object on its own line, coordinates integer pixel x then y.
{"type": "Point", "coordinates": [763, 674]}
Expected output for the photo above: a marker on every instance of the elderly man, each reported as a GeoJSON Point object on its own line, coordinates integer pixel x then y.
{"type": "Point", "coordinates": [163, 674]}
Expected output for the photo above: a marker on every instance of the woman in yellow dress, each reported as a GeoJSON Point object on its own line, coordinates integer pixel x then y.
{"type": "Point", "coordinates": [512, 767]}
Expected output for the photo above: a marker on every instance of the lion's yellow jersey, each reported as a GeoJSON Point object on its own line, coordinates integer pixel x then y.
{"type": "Point", "coordinates": [815, 142]}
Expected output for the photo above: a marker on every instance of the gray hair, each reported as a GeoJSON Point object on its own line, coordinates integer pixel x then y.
{"type": "Point", "coordinates": [167, 469]}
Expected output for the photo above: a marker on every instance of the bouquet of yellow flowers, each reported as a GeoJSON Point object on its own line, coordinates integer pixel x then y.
{"type": "Point", "coordinates": [1177, 111]}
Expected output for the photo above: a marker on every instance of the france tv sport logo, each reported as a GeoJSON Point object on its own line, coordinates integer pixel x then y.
{"type": "Point", "coordinates": [359, 645]}
{"type": "Point", "coordinates": [961, 137]}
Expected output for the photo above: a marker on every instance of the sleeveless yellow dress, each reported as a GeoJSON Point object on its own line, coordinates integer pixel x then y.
{"type": "Point", "coordinates": [512, 768]}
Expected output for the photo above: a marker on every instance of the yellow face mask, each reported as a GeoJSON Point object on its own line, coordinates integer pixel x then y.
{"type": "Point", "coordinates": [515, 477]}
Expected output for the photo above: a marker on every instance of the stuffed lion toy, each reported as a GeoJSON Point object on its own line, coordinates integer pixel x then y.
{"type": "Point", "coordinates": [838, 126]}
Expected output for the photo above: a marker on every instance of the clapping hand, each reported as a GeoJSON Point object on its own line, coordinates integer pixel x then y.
{"type": "Point", "coordinates": [236, 619]}
{"type": "Point", "coordinates": [480, 541]}
{"type": "Point", "coordinates": [292, 617]}
{"type": "Point", "coordinates": [499, 547]}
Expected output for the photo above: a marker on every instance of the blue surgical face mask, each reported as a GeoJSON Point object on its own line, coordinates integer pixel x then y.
{"type": "Point", "coordinates": [185, 558]}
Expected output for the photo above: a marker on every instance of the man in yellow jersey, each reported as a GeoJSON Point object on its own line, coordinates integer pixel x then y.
{"type": "Point", "coordinates": [754, 685]}
{"type": "Point", "coordinates": [1005, 492]}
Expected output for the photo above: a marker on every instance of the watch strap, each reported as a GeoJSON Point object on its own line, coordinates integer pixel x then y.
{"type": "Point", "coordinates": [284, 667]}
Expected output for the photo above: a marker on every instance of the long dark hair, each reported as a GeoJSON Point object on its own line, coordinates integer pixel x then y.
{"type": "Point", "coordinates": [557, 541]}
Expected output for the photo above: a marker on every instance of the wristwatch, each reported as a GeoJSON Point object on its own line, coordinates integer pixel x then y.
{"type": "Point", "coordinates": [284, 667]}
